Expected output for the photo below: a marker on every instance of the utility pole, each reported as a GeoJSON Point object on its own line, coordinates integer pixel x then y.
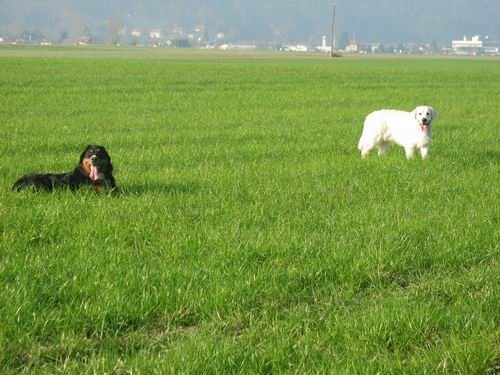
{"type": "Point", "coordinates": [332, 54]}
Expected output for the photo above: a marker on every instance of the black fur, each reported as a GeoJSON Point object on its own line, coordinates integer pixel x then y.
{"type": "Point", "coordinates": [74, 179]}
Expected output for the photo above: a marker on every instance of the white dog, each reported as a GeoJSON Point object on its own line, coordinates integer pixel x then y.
{"type": "Point", "coordinates": [408, 129]}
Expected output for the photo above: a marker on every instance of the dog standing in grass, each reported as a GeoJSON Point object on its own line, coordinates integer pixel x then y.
{"type": "Point", "coordinates": [411, 130]}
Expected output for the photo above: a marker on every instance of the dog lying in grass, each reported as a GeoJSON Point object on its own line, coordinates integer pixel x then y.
{"type": "Point", "coordinates": [94, 168]}
{"type": "Point", "coordinates": [412, 130]}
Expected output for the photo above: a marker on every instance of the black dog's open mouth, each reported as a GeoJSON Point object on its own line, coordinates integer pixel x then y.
{"type": "Point", "coordinates": [97, 171]}
{"type": "Point", "coordinates": [94, 172]}
{"type": "Point", "coordinates": [98, 176]}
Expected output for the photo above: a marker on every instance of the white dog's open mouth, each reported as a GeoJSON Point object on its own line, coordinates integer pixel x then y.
{"type": "Point", "coordinates": [424, 127]}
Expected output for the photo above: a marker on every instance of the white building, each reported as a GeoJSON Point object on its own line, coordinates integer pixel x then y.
{"type": "Point", "coordinates": [491, 50]}
{"type": "Point", "coordinates": [295, 47]}
{"type": "Point", "coordinates": [352, 46]}
{"type": "Point", "coordinates": [239, 47]}
{"type": "Point", "coordinates": [135, 33]}
{"type": "Point", "coordinates": [465, 46]}
{"type": "Point", "coordinates": [156, 34]}
{"type": "Point", "coordinates": [200, 29]}
{"type": "Point", "coordinates": [323, 47]}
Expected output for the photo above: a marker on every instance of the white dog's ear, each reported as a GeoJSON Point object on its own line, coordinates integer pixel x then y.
{"type": "Point", "coordinates": [414, 113]}
{"type": "Point", "coordinates": [435, 114]}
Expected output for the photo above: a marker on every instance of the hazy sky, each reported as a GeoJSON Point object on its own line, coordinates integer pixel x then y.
{"type": "Point", "coordinates": [281, 20]}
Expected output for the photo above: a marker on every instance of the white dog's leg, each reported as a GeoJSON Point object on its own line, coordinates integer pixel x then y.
{"type": "Point", "coordinates": [382, 148]}
{"type": "Point", "coordinates": [409, 151]}
{"type": "Point", "coordinates": [364, 147]}
{"type": "Point", "coordinates": [424, 151]}
{"type": "Point", "coordinates": [366, 150]}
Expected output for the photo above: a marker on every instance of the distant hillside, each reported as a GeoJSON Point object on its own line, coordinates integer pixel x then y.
{"type": "Point", "coordinates": [281, 20]}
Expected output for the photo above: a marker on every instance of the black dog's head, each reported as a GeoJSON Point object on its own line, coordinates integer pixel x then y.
{"type": "Point", "coordinates": [95, 163]}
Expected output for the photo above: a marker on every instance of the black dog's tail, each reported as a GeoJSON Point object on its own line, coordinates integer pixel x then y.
{"type": "Point", "coordinates": [37, 182]}
{"type": "Point", "coordinates": [22, 183]}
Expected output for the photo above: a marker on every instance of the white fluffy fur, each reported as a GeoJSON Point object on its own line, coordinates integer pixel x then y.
{"type": "Point", "coordinates": [411, 130]}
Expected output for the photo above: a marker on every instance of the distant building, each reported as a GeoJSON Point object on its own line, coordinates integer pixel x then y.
{"type": "Point", "coordinates": [352, 46]}
{"type": "Point", "coordinates": [177, 31]}
{"type": "Point", "coordinates": [84, 40]}
{"type": "Point", "coordinates": [156, 34]}
{"type": "Point", "coordinates": [200, 29]}
{"type": "Point", "coordinates": [491, 50]}
{"type": "Point", "coordinates": [323, 47]}
{"type": "Point", "coordinates": [465, 46]}
{"type": "Point", "coordinates": [375, 47]}
{"type": "Point", "coordinates": [295, 47]}
{"type": "Point", "coordinates": [200, 35]}
{"type": "Point", "coordinates": [136, 33]}
{"type": "Point", "coordinates": [239, 47]}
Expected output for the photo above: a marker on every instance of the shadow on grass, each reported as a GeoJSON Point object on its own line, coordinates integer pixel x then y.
{"type": "Point", "coordinates": [155, 187]}
{"type": "Point", "coordinates": [492, 154]}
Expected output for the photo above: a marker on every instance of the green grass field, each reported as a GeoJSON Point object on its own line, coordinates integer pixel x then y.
{"type": "Point", "coordinates": [248, 236]}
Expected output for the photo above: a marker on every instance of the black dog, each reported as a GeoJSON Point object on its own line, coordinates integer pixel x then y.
{"type": "Point", "coordinates": [94, 168]}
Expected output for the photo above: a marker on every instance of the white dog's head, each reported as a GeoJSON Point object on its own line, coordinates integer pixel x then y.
{"type": "Point", "coordinates": [425, 116]}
